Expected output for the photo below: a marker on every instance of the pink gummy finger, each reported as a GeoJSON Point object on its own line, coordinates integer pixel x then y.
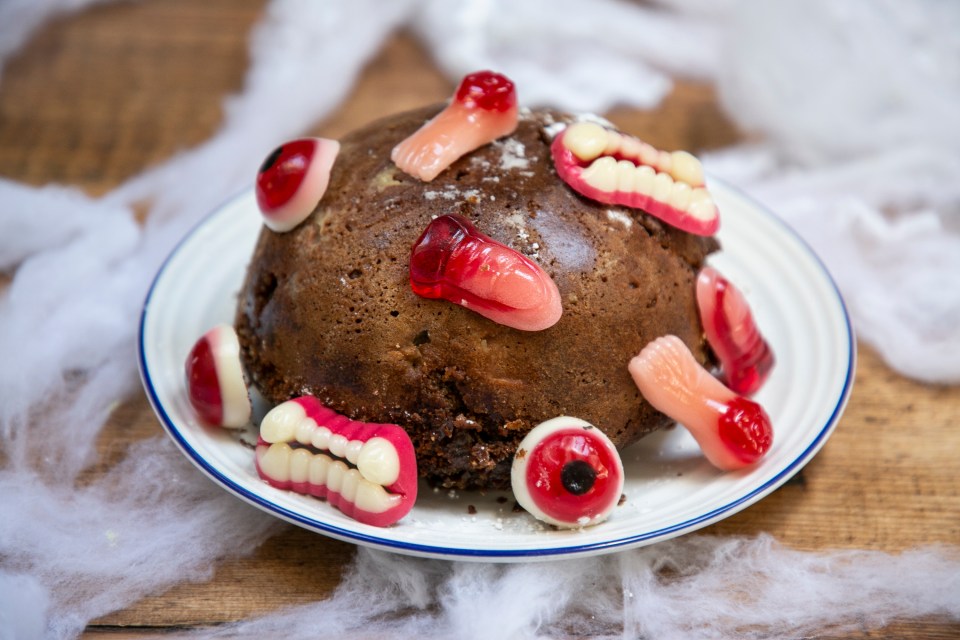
{"type": "Point", "coordinates": [614, 168]}
{"type": "Point", "coordinates": [745, 357]}
{"type": "Point", "coordinates": [293, 179]}
{"type": "Point", "coordinates": [453, 261]}
{"type": "Point", "coordinates": [214, 376]}
{"type": "Point", "coordinates": [733, 432]}
{"type": "Point", "coordinates": [366, 470]}
{"type": "Point", "coordinates": [483, 109]}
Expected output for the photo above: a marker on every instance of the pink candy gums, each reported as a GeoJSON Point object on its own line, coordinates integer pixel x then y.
{"type": "Point", "coordinates": [453, 261]}
{"type": "Point", "coordinates": [568, 473]}
{"type": "Point", "coordinates": [214, 376]}
{"type": "Point", "coordinates": [745, 357]}
{"type": "Point", "coordinates": [732, 431]}
{"type": "Point", "coordinates": [483, 109]}
{"type": "Point", "coordinates": [613, 168]}
{"type": "Point", "coordinates": [368, 471]}
{"type": "Point", "coordinates": [293, 179]}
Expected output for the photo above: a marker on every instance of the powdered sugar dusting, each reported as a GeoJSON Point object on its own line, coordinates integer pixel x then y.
{"type": "Point", "coordinates": [512, 154]}
{"type": "Point", "coordinates": [614, 215]}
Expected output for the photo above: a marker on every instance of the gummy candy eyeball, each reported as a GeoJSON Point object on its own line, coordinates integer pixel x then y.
{"type": "Point", "coordinates": [292, 180]}
{"type": "Point", "coordinates": [567, 473]}
{"type": "Point", "coordinates": [214, 377]}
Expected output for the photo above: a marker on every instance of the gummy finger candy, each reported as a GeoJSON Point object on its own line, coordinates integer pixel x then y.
{"type": "Point", "coordinates": [745, 357]}
{"type": "Point", "coordinates": [733, 432]}
{"type": "Point", "coordinates": [453, 261]}
{"type": "Point", "coordinates": [483, 109]}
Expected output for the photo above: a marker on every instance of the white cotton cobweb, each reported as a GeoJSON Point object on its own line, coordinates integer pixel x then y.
{"type": "Point", "coordinates": [861, 155]}
{"type": "Point", "coordinates": [582, 55]}
{"type": "Point", "coordinates": [81, 268]}
{"type": "Point", "coordinates": [697, 587]}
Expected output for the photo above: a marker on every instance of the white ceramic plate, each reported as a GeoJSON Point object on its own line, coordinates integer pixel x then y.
{"type": "Point", "coordinates": [670, 489]}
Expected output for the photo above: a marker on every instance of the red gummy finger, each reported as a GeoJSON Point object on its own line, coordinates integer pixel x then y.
{"type": "Point", "coordinates": [366, 470]}
{"type": "Point", "coordinates": [483, 109]}
{"type": "Point", "coordinates": [614, 168]}
{"type": "Point", "coordinates": [733, 432]}
{"type": "Point", "coordinates": [293, 179]}
{"type": "Point", "coordinates": [453, 261]}
{"type": "Point", "coordinates": [745, 357]}
{"type": "Point", "coordinates": [567, 473]}
{"type": "Point", "coordinates": [214, 376]}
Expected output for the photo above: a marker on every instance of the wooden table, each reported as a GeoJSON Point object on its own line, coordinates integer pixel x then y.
{"type": "Point", "coordinates": [96, 98]}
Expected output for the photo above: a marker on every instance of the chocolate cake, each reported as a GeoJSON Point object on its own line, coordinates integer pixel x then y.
{"type": "Point", "coordinates": [327, 308]}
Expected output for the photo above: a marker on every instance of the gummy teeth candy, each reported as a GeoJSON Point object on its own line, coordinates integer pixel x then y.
{"type": "Point", "coordinates": [453, 261]}
{"type": "Point", "coordinates": [483, 109]}
{"type": "Point", "coordinates": [614, 168]}
{"type": "Point", "coordinates": [733, 432]}
{"type": "Point", "coordinates": [366, 470]}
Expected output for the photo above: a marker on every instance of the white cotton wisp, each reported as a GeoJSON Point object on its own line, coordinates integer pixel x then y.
{"type": "Point", "coordinates": [581, 55]}
{"type": "Point", "coordinates": [860, 153]}
{"type": "Point", "coordinates": [696, 587]}
{"type": "Point", "coordinates": [68, 321]}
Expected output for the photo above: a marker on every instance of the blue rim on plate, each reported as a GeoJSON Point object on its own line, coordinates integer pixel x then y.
{"type": "Point", "coordinates": [158, 382]}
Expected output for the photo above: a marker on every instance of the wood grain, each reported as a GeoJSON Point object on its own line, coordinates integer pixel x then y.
{"type": "Point", "coordinates": [95, 98]}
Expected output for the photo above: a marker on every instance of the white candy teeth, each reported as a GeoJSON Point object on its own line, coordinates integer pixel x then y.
{"type": "Point", "coordinates": [319, 467]}
{"type": "Point", "coordinates": [680, 196]}
{"type": "Point", "coordinates": [626, 175]}
{"type": "Point", "coordinates": [662, 187]}
{"type": "Point", "coordinates": [686, 168]}
{"type": "Point", "coordinates": [320, 438]}
{"type": "Point", "coordinates": [338, 445]}
{"type": "Point", "coordinates": [372, 497]}
{"type": "Point", "coordinates": [300, 465]}
{"type": "Point", "coordinates": [281, 423]}
{"type": "Point", "coordinates": [376, 459]}
{"type": "Point", "coordinates": [602, 174]}
{"type": "Point", "coordinates": [276, 462]}
{"type": "Point", "coordinates": [643, 181]}
{"type": "Point", "coordinates": [587, 140]}
{"type": "Point", "coordinates": [378, 462]}
{"type": "Point", "coordinates": [352, 451]}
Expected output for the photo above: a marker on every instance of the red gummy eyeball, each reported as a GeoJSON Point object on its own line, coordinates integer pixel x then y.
{"type": "Point", "coordinates": [214, 376]}
{"type": "Point", "coordinates": [293, 179]}
{"type": "Point", "coordinates": [453, 261]}
{"type": "Point", "coordinates": [567, 473]}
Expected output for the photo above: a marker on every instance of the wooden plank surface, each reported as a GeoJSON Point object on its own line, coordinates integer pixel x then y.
{"type": "Point", "coordinates": [96, 98]}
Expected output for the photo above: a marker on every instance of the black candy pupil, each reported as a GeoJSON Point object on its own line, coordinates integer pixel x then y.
{"type": "Point", "coordinates": [271, 159]}
{"type": "Point", "coordinates": [578, 477]}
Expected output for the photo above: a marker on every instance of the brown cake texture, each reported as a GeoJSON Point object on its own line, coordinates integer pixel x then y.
{"type": "Point", "coordinates": [327, 309]}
